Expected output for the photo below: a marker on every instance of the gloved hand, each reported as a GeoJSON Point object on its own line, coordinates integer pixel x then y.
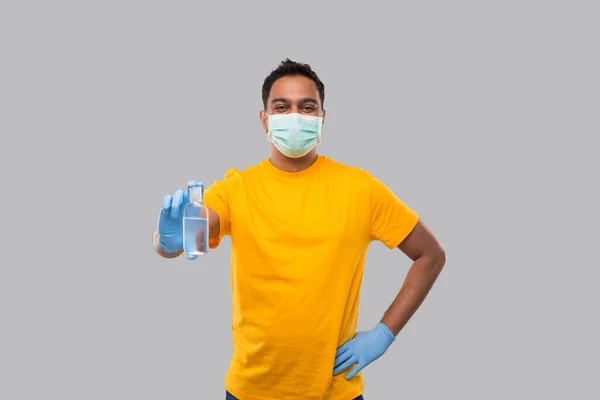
{"type": "Point", "coordinates": [170, 221]}
{"type": "Point", "coordinates": [363, 349]}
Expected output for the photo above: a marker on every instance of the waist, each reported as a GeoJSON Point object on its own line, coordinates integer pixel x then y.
{"type": "Point", "coordinates": [311, 381]}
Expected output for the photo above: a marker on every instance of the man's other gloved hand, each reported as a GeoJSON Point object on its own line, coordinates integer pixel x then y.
{"type": "Point", "coordinates": [363, 349]}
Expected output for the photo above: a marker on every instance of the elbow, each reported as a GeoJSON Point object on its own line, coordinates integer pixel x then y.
{"type": "Point", "coordinates": [441, 258]}
{"type": "Point", "coordinates": [434, 259]}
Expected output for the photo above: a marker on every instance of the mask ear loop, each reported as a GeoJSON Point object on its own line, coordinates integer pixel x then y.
{"type": "Point", "coordinates": [320, 130]}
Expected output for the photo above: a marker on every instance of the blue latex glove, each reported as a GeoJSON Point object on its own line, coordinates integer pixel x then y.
{"type": "Point", "coordinates": [170, 221]}
{"type": "Point", "coordinates": [363, 349]}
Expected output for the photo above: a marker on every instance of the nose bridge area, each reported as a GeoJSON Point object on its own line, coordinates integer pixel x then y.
{"type": "Point", "coordinates": [295, 106]}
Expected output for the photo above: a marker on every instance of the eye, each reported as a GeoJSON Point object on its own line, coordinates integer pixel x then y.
{"type": "Point", "coordinates": [309, 108]}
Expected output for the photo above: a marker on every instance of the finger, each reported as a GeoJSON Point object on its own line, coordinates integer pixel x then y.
{"type": "Point", "coordinates": [176, 203]}
{"type": "Point", "coordinates": [342, 348]}
{"type": "Point", "coordinates": [166, 204]}
{"type": "Point", "coordinates": [345, 365]}
{"type": "Point", "coordinates": [343, 356]}
{"type": "Point", "coordinates": [354, 371]}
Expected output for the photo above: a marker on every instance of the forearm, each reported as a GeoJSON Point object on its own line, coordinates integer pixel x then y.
{"type": "Point", "coordinates": [214, 223]}
{"type": "Point", "coordinates": [417, 284]}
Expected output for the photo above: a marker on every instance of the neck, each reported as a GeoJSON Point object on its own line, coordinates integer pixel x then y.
{"type": "Point", "coordinates": [287, 164]}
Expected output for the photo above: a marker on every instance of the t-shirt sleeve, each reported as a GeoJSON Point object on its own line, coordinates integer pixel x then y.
{"type": "Point", "coordinates": [391, 219]}
{"type": "Point", "coordinates": [217, 197]}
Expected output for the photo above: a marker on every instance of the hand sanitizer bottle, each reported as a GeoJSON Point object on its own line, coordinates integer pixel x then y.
{"type": "Point", "coordinates": [195, 223]}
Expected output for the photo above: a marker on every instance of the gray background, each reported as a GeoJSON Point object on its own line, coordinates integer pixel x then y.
{"type": "Point", "coordinates": [480, 115]}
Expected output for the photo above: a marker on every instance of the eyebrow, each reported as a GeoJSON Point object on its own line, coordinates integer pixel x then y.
{"type": "Point", "coordinates": [303, 100]}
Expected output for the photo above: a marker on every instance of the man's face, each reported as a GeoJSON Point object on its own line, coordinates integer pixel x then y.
{"type": "Point", "coordinates": [293, 94]}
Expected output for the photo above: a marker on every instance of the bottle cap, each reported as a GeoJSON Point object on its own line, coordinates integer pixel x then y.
{"type": "Point", "coordinates": [196, 193]}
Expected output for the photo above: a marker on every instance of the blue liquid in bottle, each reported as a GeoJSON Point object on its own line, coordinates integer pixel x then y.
{"type": "Point", "coordinates": [195, 223]}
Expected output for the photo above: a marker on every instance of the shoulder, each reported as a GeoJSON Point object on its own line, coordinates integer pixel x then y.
{"type": "Point", "coordinates": [236, 176]}
{"type": "Point", "coordinates": [343, 170]}
{"type": "Point", "coordinates": [240, 174]}
{"type": "Point", "coordinates": [358, 180]}
{"type": "Point", "coordinates": [349, 180]}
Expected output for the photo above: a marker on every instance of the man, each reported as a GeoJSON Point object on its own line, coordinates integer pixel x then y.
{"type": "Point", "coordinates": [300, 226]}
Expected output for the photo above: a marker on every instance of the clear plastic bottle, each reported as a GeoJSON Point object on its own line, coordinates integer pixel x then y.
{"type": "Point", "coordinates": [195, 223]}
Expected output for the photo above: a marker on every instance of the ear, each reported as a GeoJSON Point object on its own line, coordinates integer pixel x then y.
{"type": "Point", "coordinates": [264, 120]}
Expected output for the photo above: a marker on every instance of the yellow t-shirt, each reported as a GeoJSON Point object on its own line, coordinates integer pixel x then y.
{"type": "Point", "coordinates": [298, 248]}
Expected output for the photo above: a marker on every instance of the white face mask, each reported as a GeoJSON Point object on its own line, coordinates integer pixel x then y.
{"type": "Point", "coordinates": [294, 135]}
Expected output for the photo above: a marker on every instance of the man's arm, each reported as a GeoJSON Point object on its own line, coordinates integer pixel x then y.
{"type": "Point", "coordinates": [429, 258]}
{"type": "Point", "coordinates": [214, 228]}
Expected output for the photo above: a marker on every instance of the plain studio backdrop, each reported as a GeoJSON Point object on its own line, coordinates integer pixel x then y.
{"type": "Point", "coordinates": [482, 116]}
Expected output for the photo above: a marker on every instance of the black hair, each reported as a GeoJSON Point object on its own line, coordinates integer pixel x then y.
{"type": "Point", "coordinates": [291, 68]}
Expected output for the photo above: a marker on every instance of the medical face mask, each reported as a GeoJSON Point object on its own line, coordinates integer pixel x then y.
{"type": "Point", "coordinates": [294, 135]}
